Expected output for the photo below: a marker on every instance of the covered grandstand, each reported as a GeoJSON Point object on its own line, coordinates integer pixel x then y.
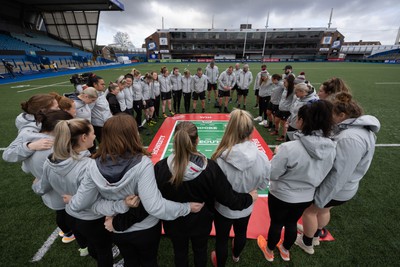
{"type": "Point", "coordinates": [36, 33]}
{"type": "Point", "coordinates": [274, 44]}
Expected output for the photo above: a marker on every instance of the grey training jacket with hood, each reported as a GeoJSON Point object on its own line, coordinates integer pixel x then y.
{"type": "Point", "coordinates": [117, 180]}
{"type": "Point", "coordinates": [354, 152]}
{"type": "Point", "coordinates": [246, 168]}
{"type": "Point", "coordinates": [299, 167]}
{"type": "Point", "coordinates": [64, 177]}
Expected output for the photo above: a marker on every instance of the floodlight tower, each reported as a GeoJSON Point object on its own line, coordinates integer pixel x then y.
{"type": "Point", "coordinates": [330, 19]}
{"type": "Point", "coordinates": [245, 38]}
{"type": "Point", "coordinates": [265, 36]}
{"type": "Point", "coordinates": [397, 42]}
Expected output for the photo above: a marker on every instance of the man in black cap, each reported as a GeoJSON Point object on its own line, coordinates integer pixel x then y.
{"type": "Point", "coordinates": [288, 71]}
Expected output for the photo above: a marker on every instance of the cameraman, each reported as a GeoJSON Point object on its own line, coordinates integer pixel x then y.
{"type": "Point", "coordinates": [9, 67]}
{"type": "Point", "coordinates": [79, 81]}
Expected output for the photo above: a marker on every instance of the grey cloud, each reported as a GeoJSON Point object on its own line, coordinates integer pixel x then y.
{"type": "Point", "coordinates": [140, 15]}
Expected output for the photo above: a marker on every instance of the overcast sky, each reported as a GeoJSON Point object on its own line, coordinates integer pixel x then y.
{"type": "Point", "coordinates": [368, 20]}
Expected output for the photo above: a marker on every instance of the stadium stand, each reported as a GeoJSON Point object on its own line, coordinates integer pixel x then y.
{"type": "Point", "coordinates": [8, 42]}
{"type": "Point", "coordinates": [34, 34]}
{"type": "Point", "coordinates": [387, 55]}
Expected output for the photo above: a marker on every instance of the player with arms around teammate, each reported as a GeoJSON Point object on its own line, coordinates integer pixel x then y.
{"type": "Point", "coordinates": [246, 168]}
{"type": "Point", "coordinates": [355, 137]}
{"type": "Point", "coordinates": [122, 168]}
{"type": "Point", "coordinates": [298, 168]}
{"type": "Point", "coordinates": [187, 175]}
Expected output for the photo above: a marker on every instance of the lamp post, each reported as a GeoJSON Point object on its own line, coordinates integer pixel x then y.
{"type": "Point", "coordinates": [265, 37]}
{"type": "Point", "coordinates": [245, 39]}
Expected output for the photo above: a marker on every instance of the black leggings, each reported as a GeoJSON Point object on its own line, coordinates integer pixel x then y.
{"type": "Point", "coordinates": [262, 106]}
{"type": "Point", "coordinates": [139, 248]}
{"type": "Point", "coordinates": [138, 106]}
{"type": "Point", "coordinates": [156, 107]}
{"type": "Point", "coordinates": [181, 249]}
{"type": "Point", "coordinates": [222, 227]}
{"type": "Point", "coordinates": [283, 214]}
{"type": "Point", "coordinates": [61, 220]}
{"type": "Point", "coordinates": [81, 239]}
{"type": "Point", "coordinates": [98, 131]}
{"type": "Point", "coordinates": [186, 99]}
{"type": "Point", "coordinates": [177, 96]}
{"type": "Point", "coordinates": [99, 240]}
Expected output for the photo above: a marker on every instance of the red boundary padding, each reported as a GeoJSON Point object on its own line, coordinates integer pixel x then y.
{"type": "Point", "coordinates": [259, 220]}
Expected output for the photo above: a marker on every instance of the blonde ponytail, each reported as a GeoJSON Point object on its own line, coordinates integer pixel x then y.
{"type": "Point", "coordinates": [238, 130]}
{"type": "Point", "coordinates": [67, 134]}
{"type": "Point", "coordinates": [62, 141]}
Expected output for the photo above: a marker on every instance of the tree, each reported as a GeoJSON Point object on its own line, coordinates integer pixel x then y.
{"type": "Point", "coordinates": [122, 39]}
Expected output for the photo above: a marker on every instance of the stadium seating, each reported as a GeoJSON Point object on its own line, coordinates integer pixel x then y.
{"type": "Point", "coordinates": [390, 55]}
{"type": "Point", "coordinates": [47, 43]}
{"type": "Point", "coordinates": [9, 43]}
{"type": "Point", "coordinates": [37, 38]}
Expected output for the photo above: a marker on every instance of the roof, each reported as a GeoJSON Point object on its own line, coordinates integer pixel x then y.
{"type": "Point", "coordinates": [311, 29]}
{"type": "Point", "coordinates": [73, 5]}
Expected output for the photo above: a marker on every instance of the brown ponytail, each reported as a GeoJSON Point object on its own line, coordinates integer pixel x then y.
{"type": "Point", "coordinates": [185, 145]}
{"type": "Point", "coordinates": [37, 103]}
{"type": "Point", "coordinates": [344, 103]}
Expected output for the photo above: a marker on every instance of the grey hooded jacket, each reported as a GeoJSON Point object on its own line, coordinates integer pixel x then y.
{"type": "Point", "coordinates": [64, 177]}
{"type": "Point", "coordinates": [299, 167]}
{"type": "Point", "coordinates": [26, 122]}
{"type": "Point", "coordinates": [297, 104]}
{"type": "Point", "coordinates": [247, 168]}
{"type": "Point", "coordinates": [354, 152]}
{"type": "Point", "coordinates": [132, 176]}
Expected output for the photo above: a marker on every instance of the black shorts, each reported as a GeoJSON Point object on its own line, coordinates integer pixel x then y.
{"type": "Point", "coordinates": [211, 86]}
{"type": "Point", "coordinates": [274, 108]}
{"type": "Point", "coordinates": [149, 103]}
{"type": "Point", "coordinates": [334, 203]}
{"type": "Point", "coordinates": [196, 96]}
{"type": "Point", "coordinates": [256, 92]}
{"type": "Point", "coordinates": [283, 115]}
{"type": "Point", "coordinates": [243, 92]}
{"type": "Point", "coordinates": [235, 87]}
{"type": "Point", "coordinates": [222, 93]}
{"type": "Point", "coordinates": [166, 95]}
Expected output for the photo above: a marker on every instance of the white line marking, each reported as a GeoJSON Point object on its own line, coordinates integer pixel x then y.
{"type": "Point", "coordinates": [20, 86]}
{"type": "Point", "coordinates": [387, 145]}
{"type": "Point", "coordinates": [43, 86]}
{"type": "Point", "coordinates": [386, 83]}
{"type": "Point", "coordinates": [376, 145]}
{"type": "Point", "coordinates": [46, 246]}
{"type": "Point", "coordinates": [57, 85]}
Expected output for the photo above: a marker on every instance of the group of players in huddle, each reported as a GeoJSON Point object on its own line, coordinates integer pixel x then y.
{"type": "Point", "coordinates": [113, 194]}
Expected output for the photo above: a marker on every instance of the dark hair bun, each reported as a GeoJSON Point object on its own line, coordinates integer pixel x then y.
{"type": "Point", "coordinates": [40, 116]}
{"type": "Point", "coordinates": [344, 97]}
{"type": "Point", "coordinates": [24, 106]}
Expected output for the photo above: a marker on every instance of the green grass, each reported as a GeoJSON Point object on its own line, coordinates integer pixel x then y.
{"type": "Point", "coordinates": [366, 229]}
